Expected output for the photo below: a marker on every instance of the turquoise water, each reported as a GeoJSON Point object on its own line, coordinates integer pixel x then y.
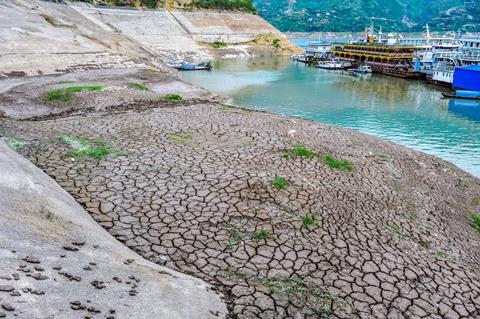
{"type": "Point", "coordinates": [407, 112]}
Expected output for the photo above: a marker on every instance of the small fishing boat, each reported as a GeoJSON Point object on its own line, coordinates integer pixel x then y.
{"type": "Point", "coordinates": [463, 95]}
{"type": "Point", "coordinates": [303, 58]}
{"type": "Point", "coordinates": [207, 66]}
{"type": "Point", "coordinates": [176, 63]}
{"type": "Point", "coordinates": [364, 69]}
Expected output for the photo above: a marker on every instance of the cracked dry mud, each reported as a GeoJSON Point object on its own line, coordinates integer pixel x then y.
{"type": "Point", "coordinates": [193, 191]}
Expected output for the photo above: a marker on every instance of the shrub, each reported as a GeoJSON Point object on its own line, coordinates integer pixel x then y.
{"type": "Point", "coordinates": [241, 5]}
{"type": "Point", "coordinates": [276, 43]}
{"type": "Point", "coordinates": [219, 44]}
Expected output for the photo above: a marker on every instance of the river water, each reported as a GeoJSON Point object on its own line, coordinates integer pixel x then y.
{"type": "Point", "coordinates": [407, 112]}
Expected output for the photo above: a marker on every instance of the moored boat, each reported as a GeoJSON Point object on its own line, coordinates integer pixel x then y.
{"type": "Point", "coordinates": [207, 66]}
{"type": "Point", "coordinates": [334, 64]}
{"type": "Point", "coordinates": [462, 95]}
{"type": "Point", "coordinates": [364, 69]}
{"type": "Point", "coordinates": [303, 58]}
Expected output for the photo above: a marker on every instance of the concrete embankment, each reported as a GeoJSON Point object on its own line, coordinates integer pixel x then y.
{"type": "Point", "coordinates": [39, 37]}
{"type": "Point", "coordinates": [56, 262]}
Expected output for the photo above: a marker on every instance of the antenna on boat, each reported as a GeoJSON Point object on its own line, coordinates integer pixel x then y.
{"type": "Point", "coordinates": [428, 33]}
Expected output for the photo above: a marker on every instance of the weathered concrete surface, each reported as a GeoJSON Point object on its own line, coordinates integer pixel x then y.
{"type": "Point", "coordinates": [173, 34]}
{"type": "Point", "coordinates": [193, 190]}
{"type": "Point", "coordinates": [38, 37]}
{"type": "Point", "coordinates": [74, 263]}
{"type": "Point", "coordinates": [155, 29]}
{"type": "Point", "coordinates": [230, 27]}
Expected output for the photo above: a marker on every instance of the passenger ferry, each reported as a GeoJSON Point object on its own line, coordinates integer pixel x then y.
{"type": "Point", "coordinates": [445, 63]}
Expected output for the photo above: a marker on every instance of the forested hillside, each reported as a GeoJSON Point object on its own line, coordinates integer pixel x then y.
{"type": "Point", "coordinates": [354, 15]}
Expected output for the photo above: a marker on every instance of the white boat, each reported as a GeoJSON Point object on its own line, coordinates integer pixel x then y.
{"type": "Point", "coordinates": [364, 69]}
{"type": "Point", "coordinates": [334, 64]}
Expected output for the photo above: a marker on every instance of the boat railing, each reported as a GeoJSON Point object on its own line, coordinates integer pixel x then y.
{"type": "Point", "coordinates": [392, 54]}
{"type": "Point", "coordinates": [444, 68]}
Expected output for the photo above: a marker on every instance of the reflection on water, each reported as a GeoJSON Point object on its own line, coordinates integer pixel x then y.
{"type": "Point", "coordinates": [407, 112]}
{"type": "Point", "coordinates": [467, 108]}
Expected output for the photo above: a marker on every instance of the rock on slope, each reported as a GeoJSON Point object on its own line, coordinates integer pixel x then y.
{"type": "Point", "coordinates": [56, 262]}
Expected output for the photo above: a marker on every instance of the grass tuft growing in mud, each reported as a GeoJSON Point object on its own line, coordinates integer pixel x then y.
{"type": "Point", "coordinates": [279, 182]}
{"type": "Point", "coordinates": [443, 256]}
{"type": "Point", "coordinates": [309, 221]}
{"type": "Point", "coordinates": [261, 234]}
{"type": "Point", "coordinates": [14, 143]}
{"type": "Point", "coordinates": [299, 151]}
{"type": "Point", "coordinates": [234, 238]}
{"type": "Point", "coordinates": [476, 201]}
{"type": "Point", "coordinates": [172, 97]}
{"type": "Point", "coordinates": [475, 221]}
{"type": "Point", "coordinates": [59, 95]}
{"type": "Point", "coordinates": [137, 86]}
{"type": "Point", "coordinates": [397, 231]}
{"type": "Point", "coordinates": [181, 138]}
{"type": "Point", "coordinates": [82, 147]}
{"type": "Point", "coordinates": [337, 164]}
{"type": "Point", "coordinates": [66, 94]}
{"type": "Point", "coordinates": [318, 298]}
{"type": "Point", "coordinates": [65, 82]}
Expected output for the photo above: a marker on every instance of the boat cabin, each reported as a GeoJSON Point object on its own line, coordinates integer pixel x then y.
{"type": "Point", "coordinates": [318, 49]}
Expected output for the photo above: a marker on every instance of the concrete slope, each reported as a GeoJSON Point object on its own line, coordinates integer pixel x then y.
{"type": "Point", "coordinates": [157, 30]}
{"type": "Point", "coordinates": [42, 37]}
{"type": "Point", "coordinates": [56, 262]}
{"type": "Point", "coordinates": [230, 27]}
{"type": "Point", "coordinates": [186, 34]}
{"type": "Point", "coordinates": [38, 37]}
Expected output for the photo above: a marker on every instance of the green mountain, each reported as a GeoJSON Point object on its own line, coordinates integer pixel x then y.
{"type": "Point", "coordinates": [355, 15]}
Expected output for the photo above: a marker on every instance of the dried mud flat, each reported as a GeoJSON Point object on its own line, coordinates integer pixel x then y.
{"type": "Point", "coordinates": [225, 194]}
